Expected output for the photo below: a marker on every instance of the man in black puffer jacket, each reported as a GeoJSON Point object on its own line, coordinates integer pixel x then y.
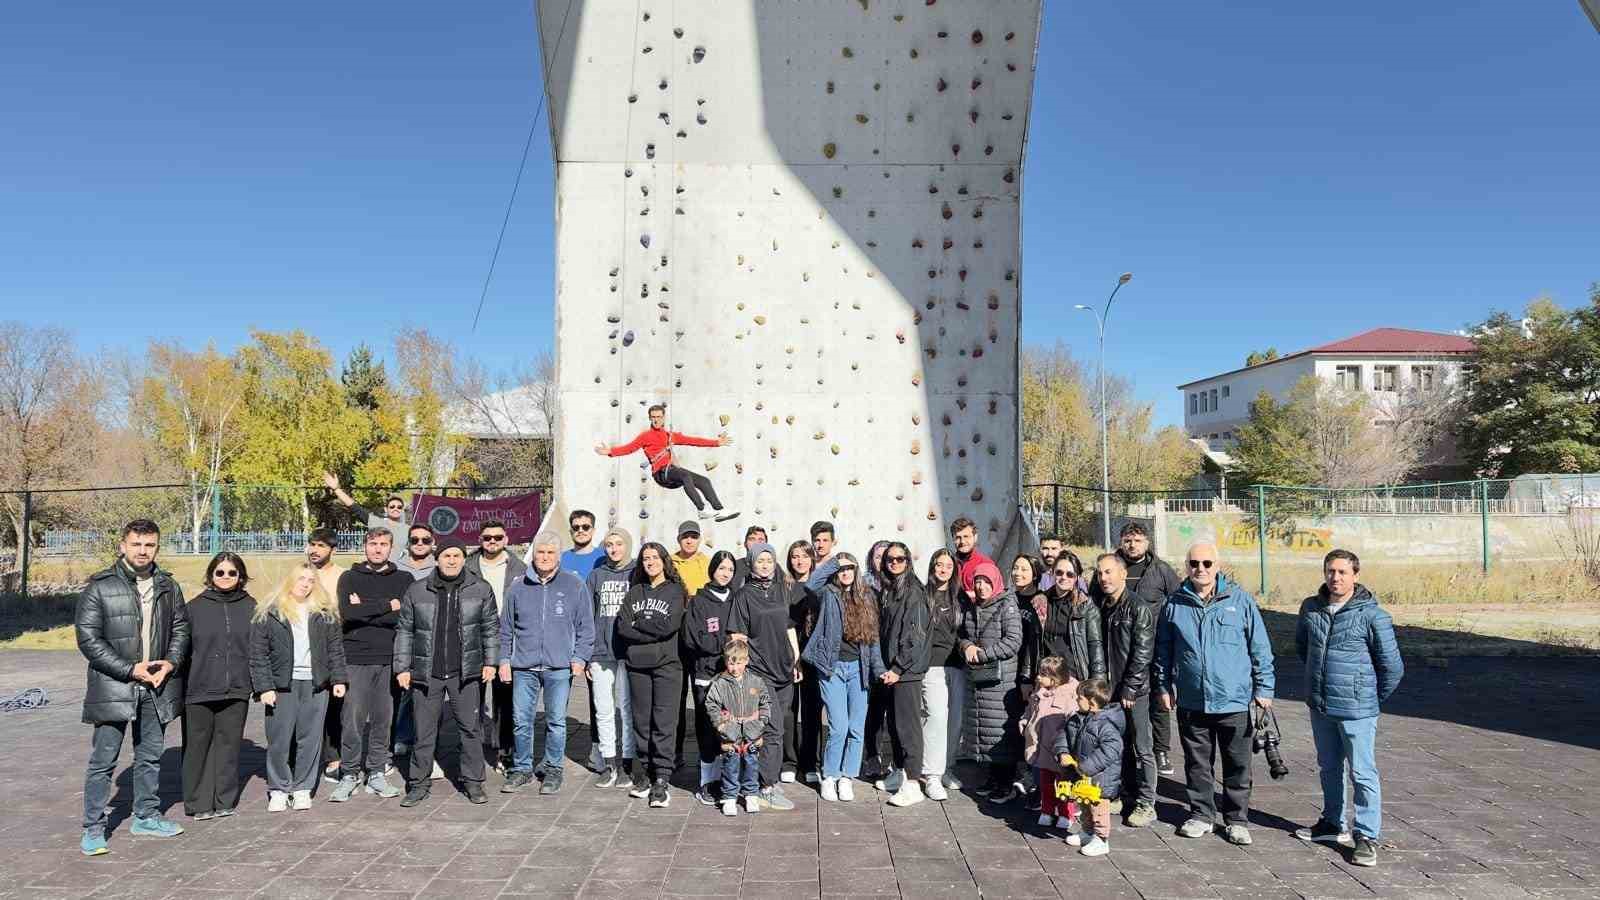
{"type": "Point", "coordinates": [445, 644]}
{"type": "Point", "coordinates": [1130, 642]}
{"type": "Point", "coordinates": [903, 623]}
{"type": "Point", "coordinates": [133, 627]}
{"type": "Point", "coordinates": [1153, 581]}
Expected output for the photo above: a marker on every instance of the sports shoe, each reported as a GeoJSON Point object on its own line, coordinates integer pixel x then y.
{"type": "Point", "coordinates": [205, 816]}
{"type": "Point", "coordinates": [1324, 833]}
{"type": "Point", "coordinates": [224, 813]}
{"type": "Point", "coordinates": [774, 799]}
{"type": "Point", "coordinates": [155, 826]}
{"type": "Point", "coordinates": [1366, 851]}
{"type": "Point", "coordinates": [1046, 820]}
{"type": "Point", "coordinates": [1075, 839]}
{"type": "Point", "coordinates": [414, 795]}
{"type": "Point", "coordinates": [606, 777]}
{"type": "Point", "coordinates": [1003, 793]}
{"type": "Point", "coordinates": [516, 781]}
{"type": "Point", "coordinates": [786, 776]}
{"type": "Point", "coordinates": [910, 793]}
{"type": "Point", "coordinates": [813, 778]}
{"type": "Point", "coordinates": [641, 786]}
{"type": "Point", "coordinates": [707, 794]}
{"type": "Point", "coordinates": [847, 790]}
{"type": "Point", "coordinates": [345, 790]}
{"type": "Point", "coordinates": [705, 515]}
{"type": "Point", "coordinates": [752, 804]}
{"type": "Point", "coordinates": [475, 794]}
{"type": "Point", "coordinates": [660, 796]}
{"type": "Point", "coordinates": [438, 773]}
{"type": "Point", "coordinates": [277, 801]}
{"type": "Point", "coordinates": [892, 782]}
{"type": "Point", "coordinates": [623, 768]}
{"type": "Point", "coordinates": [1097, 846]}
{"type": "Point", "coordinates": [725, 516]}
{"type": "Point", "coordinates": [301, 800]}
{"type": "Point", "coordinates": [1143, 814]}
{"type": "Point", "coordinates": [332, 773]}
{"type": "Point", "coordinates": [830, 790]}
{"type": "Point", "coordinates": [378, 785]}
{"type": "Point", "coordinates": [934, 788]}
{"type": "Point", "coordinates": [730, 807]}
{"type": "Point", "coordinates": [1237, 834]}
{"type": "Point", "coordinates": [1163, 763]}
{"type": "Point", "coordinates": [93, 844]}
{"type": "Point", "coordinates": [552, 783]}
{"type": "Point", "coordinates": [1193, 828]}
{"type": "Point", "coordinates": [950, 782]}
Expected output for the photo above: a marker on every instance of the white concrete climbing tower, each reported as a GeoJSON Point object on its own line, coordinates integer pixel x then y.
{"type": "Point", "coordinates": [795, 221]}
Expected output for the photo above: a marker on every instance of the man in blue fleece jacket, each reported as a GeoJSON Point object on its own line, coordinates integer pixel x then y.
{"type": "Point", "coordinates": [546, 638]}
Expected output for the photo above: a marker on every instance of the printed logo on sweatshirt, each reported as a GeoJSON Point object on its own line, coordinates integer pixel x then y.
{"type": "Point", "coordinates": [654, 606]}
{"type": "Point", "coordinates": [713, 625]}
{"type": "Point", "coordinates": [612, 592]}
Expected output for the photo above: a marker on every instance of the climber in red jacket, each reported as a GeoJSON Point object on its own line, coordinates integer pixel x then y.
{"type": "Point", "coordinates": [657, 442]}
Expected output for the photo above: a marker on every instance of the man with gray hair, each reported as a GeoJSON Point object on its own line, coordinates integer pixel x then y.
{"type": "Point", "coordinates": [546, 639]}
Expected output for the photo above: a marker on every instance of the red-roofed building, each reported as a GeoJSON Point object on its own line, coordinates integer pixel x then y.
{"type": "Point", "coordinates": [1385, 361]}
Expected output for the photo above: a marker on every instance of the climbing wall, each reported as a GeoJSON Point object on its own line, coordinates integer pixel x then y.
{"type": "Point", "coordinates": [796, 222]}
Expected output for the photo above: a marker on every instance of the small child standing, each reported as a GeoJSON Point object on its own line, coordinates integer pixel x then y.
{"type": "Point", "coordinates": [1055, 697]}
{"type": "Point", "coordinates": [740, 703]}
{"type": "Point", "coordinates": [1090, 748]}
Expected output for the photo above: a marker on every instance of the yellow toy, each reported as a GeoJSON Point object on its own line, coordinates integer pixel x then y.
{"type": "Point", "coordinates": [1073, 786]}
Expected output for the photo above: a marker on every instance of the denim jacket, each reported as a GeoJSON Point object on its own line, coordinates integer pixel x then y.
{"type": "Point", "coordinates": [822, 651]}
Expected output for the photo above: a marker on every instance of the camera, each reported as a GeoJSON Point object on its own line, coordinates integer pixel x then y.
{"type": "Point", "coordinates": [1266, 740]}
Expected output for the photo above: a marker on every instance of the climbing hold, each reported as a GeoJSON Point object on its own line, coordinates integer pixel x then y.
{"type": "Point", "coordinates": [774, 451]}
{"type": "Point", "coordinates": [916, 448]}
{"type": "Point", "coordinates": [942, 85]}
{"type": "Point", "coordinates": [916, 419]}
{"type": "Point", "coordinates": [646, 49]}
{"type": "Point", "coordinates": [830, 87]}
{"type": "Point", "coordinates": [916, 380]}
{"type": "Point", "coordinates": [761, 320]}
{"type": "Point", "coordinates": [900, 335]}
{"type": "Point", "coordinates": [994, 301]}
{"type": "Point", "coordinates": [677, 32]}
{"type": "Point", "coordinates": [977, 83]}
{"type": "Point", "coordinates": [835, 449]}
{"type": "Point", "coordinates": [955, 150]}
{"type": "Point", "coordinates": [633, 98]}
{"type": "Point", "coordinates": [977, 37]}
{"type": "Point", "coordinates": [699, 54]}
{"type": "Point", "coordinates": [977, 494]}
{"type": "Point", "coordinates": [613, 319]}
{"type": "Point", "coordinates": [948, 243]}
{"type": "Point", "coordinates": [861, 118]}
{"type": "Point", "coordinates": [662, 85]}
{"type": "Point", "coordinates": [1010, 177]}
{"type": "Point", "coordinates": [916, 477]}
{"type": "Point", "coordinates": [627, 339]}
{"type": "Point", "coordinates": [947, 212]}
{"type": "Point", "coordinates": [649, 151]}
{"type": "Point", "coordinates": [664, 117]}
{"type": "Point", "coordinates": [848, 53]}
{"type": "Point", "coordinates": [914, 53]}
{"type": "Point", "coordinates": [932, 516]}
{"type": "Point", "coordinates": [644, 240]}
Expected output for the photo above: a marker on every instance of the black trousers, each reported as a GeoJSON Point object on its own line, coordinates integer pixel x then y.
{"type": "Point", "coordinates": [499, 738]}
{"type": "Point", "coordinates": [693, 483]}
{"type": "Point", "coordinates": [212, 734]}
{"type": "Point", "coordinates": [1160, 722]}
{"type": "Point", "coordinates": [772, 737]}
{"type": "Point", "coordinates": [430, 697]}
{"type": "Point", "coordinates": [878, 701]}
{"type": "Point", "coordinates": [905, 726]}
{"type": "Point", "coordinates": [706, 737]}
{"type": "Point", "coordinates": [683, 720]}
{"type": "Point", "coordinates": [368, 715]}
{"type": "Point", "coordinates": [332, 730]}
{"type": "Point", "coordinates": [1205, 736]}
{"type": "Point", "coordinates": [802, 736]}
{"type": "Point", "coordinates": [1138, 761]}
{"type": "Point", "coordinates": [654, 695]}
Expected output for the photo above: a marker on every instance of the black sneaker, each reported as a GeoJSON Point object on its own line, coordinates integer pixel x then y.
{"type": "Point", "coordinates": [1323, 833]}
{"type": "Point", "coordinates": [640, 788]}
{"type": "Point", "coordinates": [333, 774]}
{"type": "Point", "coordinates": [623, 768]}
{"type": "Point", "coordinates": [552, 783]}
{"type": "Point", "coordinates": [606, 777]}
{"type": "Point", "coordinates": [475, 793]}
{"type": "Point", "coordinates": [1163, 763]}
{"type": "Point", "coordinates": [414, 795]}
{"type": "Point", "coordinates": [516, 781]}
{"type": "Point", "coordinates": [709, 794]}
{"type": "Point", "coordinates": [659, 795]}
{"type": "Point", "coordinates": [1366, 851]}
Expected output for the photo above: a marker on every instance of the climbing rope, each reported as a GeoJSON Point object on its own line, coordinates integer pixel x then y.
{"type": "Point", "coordinates": [32, 698]}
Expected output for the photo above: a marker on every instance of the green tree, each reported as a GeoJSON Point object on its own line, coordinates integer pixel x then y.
{"type": "Point", "coordinates": [364, 379]}
{"type": "Point", "coordinates": [1257, 357]}
{"type": "Point", "coordinates": [1533, 391]}
{"type": "Point", "coordinates": [189, 405]}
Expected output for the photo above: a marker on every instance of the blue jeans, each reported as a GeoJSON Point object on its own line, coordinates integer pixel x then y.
{"type": "Point", "coordinates": [845, 698]}
{"type": "Point", "coordinates": [525, 687]}
{"type": "Point", "coordinates": [145, 773]}
{"type": "Point", "coordinates": [741, 773]}
{"type": "Point", "coordinates": [1351, 742]}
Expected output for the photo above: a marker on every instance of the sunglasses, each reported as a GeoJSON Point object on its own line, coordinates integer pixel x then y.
{"type": "Point", "coordinates": [422, 540]}
{"type": "Point", "coordinates": [1201, 563]}
{"type": "Point", "coordinates": [897, 559]}
{"type": "Point", "coordinates": [583, 528]}
{"type": "Point", "coordinates": [847, 568]}
{"type": "Point", "coordinates": [491, 537]}
{"type": "Point", "coordinates": [397, 506]}
{"type": "Point", "coordinates": [225, 573]}
{"type": "Point", "coordinates": [1065, 573]}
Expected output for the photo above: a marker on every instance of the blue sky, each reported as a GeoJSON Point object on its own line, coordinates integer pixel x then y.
{"type": "Point", "coordinates": [1274, 174]}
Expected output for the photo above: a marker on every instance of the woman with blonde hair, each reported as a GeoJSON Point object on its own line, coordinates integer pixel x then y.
{"type": "Point", "coordinates": [296, 657]}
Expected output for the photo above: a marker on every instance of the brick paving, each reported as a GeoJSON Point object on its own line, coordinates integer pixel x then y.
{"type": "Point", "coordinates": [1491, 778]}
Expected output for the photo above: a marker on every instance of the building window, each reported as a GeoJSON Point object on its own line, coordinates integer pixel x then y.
{"type": "Point", "coordinates": [1422, 377]}
{"type": "Point", "coordinates": [1224, 390]}
{"type": "Point", "coordinates": [1386, 378]}
{"type": "Point", "coordinates": [1213, 398]}
{"type": "Point", "coordinates": [1347, 377]}
{"type": "Point", "coordinates": [1194, 404]}
{"type": "Point", "coordinates": [1213, 435]}
{"type": "Point", "coordinates": [1227, 435]}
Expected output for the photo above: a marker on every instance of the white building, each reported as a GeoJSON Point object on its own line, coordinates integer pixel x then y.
{"type": "Point", "coordinates": [1383, 360]}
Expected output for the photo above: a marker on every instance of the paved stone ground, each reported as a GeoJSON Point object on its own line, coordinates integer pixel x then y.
{"type": "Point", "coordinates": [1491, 777]}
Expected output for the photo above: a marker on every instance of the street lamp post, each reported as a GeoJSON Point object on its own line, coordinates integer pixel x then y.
{"type": "Point", "coordinates": [1105, 449]}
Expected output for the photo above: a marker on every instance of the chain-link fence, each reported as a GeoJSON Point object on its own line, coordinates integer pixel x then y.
{"type": "Point", "coordinates": [74, 531]}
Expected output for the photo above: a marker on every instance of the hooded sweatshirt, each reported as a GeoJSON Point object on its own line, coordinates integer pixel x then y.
{"type": "Point", "coordinates": [608, 584]}
{"type": "Point", "coordinates": [369, 624]}
{"type": "Point", "coordinates": [648, 625]}
{"type": "Point", "coordinates": [761, 611]}
{"type": "Point", "coordinates": [219, 646]}
{"type": "Point", "coordinates": [705, 632]}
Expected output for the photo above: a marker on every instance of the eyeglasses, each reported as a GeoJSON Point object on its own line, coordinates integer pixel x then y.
{"type": "Point", "coordinates": [422, 540]}
{"type": "Point", "coordinates": [225, 573]}
{"type": "Point", "coordinates": [1201, 563]}
{"type": "Point", "coordinates": [491, 537]}
{"type": "Point", "coordinates": [897, 560]}
{"type": "Point", "coordinates": [583, 528]}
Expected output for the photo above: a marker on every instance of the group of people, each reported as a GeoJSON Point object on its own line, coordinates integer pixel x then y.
{"type": "Point", "coordinates": [1059, 681]}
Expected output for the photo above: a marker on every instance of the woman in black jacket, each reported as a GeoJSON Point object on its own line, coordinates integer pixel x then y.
{"type": "Point", "coordinates": [703, 637]}
{"type": "Point", "coordinates": [647, 637]}
{"type": "Point", "coordinates": [944, 688]}
{"type": "Point", "coordinates": [761, 616]}
{"type": "Point", "coordinates": [296, 654]}
{"type": "Point", "coordinates": [1071, 627]}
{"type": "Point", "coordinates": [1026, 572]}
{"type": "Point", "coordinates": [802, 730]}
{"type": "Point", "coordinates": [218, 678]}
{"type": "Point", "coordinates": [903, 633]}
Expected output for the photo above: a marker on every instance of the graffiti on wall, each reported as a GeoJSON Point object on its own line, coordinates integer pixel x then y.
{"type": "Point", "coordinates": [1242, 536]}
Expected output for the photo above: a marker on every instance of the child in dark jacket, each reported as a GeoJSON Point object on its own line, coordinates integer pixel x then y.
{"type": "Point", "coordinates": [740, 703]}
{"type": "Point", "coordinates": [1090, 748]}
{"type": "Point", "coordinates": [703, 637]}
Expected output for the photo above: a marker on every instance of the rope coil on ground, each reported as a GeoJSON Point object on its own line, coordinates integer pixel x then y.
{"type": "Point", "coordinates": [32, 698]}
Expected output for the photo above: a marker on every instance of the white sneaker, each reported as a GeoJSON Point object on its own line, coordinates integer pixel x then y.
{"type": "Point", "coordinates": [830, 790]}
{"type": "Point", "coordinates": [1067, 824]}
{"type": "Point", "coordinates": [705, 515]}
{"type": "Point", "coordinates": [1046, 820]}
{"type": "Point", "coordinates": [302, 800]}
{"type": "Point", "coordinates": [438, 773]}
{"type": "Point", "coordinates": [786, 777]}
{"type": "Point", "coordinates": [847, 790]}
{"type": "Point", "coordinates": [1075, 839]}
{"type": "Point", "coordinates": [752, 804]}
{"type": "Point", "coordinates": [892, 782]}
{"type": "Point", "coordinates": [910, 793]}
{"type": "Point", "coordinates": [730, 807]}
{"type": "Point", "coordinates": [935, 790]}
{"type": "Point", "coordinates": [1097, 846]}
{"type": "Point", "coordinates": [277, 801]}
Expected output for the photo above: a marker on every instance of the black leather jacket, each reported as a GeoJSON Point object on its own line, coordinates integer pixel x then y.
{"type": "Point", "coordinates": [108, 628]}
{"type": "Point", "coordinates": [480, 626]}
{"type": "Point", "coordinates": [1071, 630]}
{"type": "Point", "coordinates": [1129, 628]}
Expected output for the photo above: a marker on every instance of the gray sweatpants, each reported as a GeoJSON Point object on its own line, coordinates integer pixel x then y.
{"type": "Point", "coordinates": [295, 724]}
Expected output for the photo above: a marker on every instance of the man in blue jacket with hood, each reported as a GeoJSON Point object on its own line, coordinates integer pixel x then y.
{"type": "Point", "coordinates": [546, 638]}
{"type": "Point", "coordinates": [1352, 665]}
{"type": "Point", "coordinates": [1213, 660]}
